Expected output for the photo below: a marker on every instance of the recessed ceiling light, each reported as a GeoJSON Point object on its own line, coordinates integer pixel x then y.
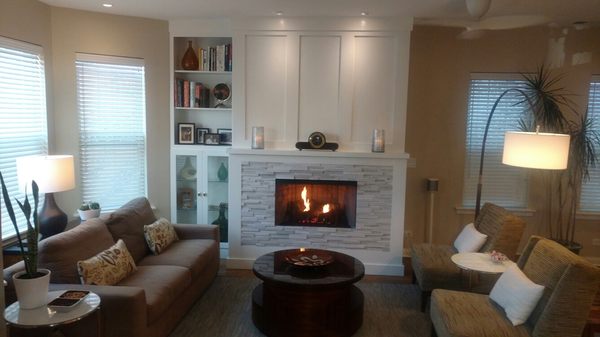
{"type": "Point", "coordinates": [107, 5]}
{"type": "Point", "coordinates": [364, 13]}
{"type": "Point", "coordinates": [279, 13]}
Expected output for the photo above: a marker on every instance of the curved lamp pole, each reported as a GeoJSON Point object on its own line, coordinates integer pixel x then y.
{"type": "Point", "coordinates": [526, 149]}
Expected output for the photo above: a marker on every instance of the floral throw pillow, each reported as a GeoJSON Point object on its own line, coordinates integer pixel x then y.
{"type": "Point", "coordinates": [108, 267]}
{"type": "Point", "coordinates": [160, 235]}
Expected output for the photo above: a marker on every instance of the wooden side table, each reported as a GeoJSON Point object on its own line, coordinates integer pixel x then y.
{"type": "Point", "coordinates": [478, 262]}
{"type": "Point", "coordinates": [44, 317]}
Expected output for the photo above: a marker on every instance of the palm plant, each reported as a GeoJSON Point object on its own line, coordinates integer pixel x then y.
{"type": "Point", "coordinates": [554, 111]}
{"type": "Point", "coordinates": [29, 249]}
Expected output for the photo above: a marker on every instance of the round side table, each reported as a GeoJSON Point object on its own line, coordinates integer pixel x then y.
{"type": "Point", "coordinates": [44, 317]}
{"type": "Point", "coordinates": [479, 262]}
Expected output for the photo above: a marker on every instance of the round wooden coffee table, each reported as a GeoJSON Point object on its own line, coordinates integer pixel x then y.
{"type": "Point", "coordinates": [301, 301]}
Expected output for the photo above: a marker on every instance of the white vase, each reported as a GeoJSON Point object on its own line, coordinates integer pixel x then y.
{"type": "Point", "coordinates": [32, 293]}
{"type": "Point", "coordinates": [89, 214]}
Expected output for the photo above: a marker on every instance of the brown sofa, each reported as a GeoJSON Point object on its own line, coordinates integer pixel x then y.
{"type": "Point", "coordinates": [152, 300]}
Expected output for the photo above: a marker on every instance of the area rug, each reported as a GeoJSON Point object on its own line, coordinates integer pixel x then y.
{"type": "Point", "coordinates": [391, 310]}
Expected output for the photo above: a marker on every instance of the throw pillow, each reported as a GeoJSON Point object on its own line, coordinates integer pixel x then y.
{"type": "Point", "coordinates": [108, 267]}
{"type": "Point", "coordinates": [469, 240]}
{"type": "Point", "coordinates": [516, 294]}
{"type": "Point", "coordinates": [159, 235]}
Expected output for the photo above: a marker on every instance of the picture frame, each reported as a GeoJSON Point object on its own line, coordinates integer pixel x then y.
{"type": "Point", "coordinates": [212, 139]}
{"type": "Point", "coordinates": [226, 136]}
{"type": "Point", "coordinates": [200, 132]}
{"type": "Point", "coordinates": [185, 133]}
{"type": "Point", "coordinates": [185, 198]}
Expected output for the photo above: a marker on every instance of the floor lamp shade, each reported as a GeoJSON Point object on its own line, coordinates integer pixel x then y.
{"type": "Point", "coordinates": [52, 174]}
{"type": "Point", "coordinates": [548, 151]}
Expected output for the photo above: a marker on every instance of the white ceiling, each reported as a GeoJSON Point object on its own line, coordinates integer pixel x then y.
{"type": "Point", "coordinates": [561, 11]}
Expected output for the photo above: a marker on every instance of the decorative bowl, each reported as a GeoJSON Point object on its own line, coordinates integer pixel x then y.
{"type": "Point", "coordinates": [498, 257]}
{"type": "Point", "coordinates": [309, 258]}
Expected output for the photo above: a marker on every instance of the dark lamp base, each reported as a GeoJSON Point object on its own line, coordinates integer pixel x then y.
{"type": "Point", "coordinates": [52, 219]}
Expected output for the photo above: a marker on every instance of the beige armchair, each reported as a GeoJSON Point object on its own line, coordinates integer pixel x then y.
{"type": "Point", "coordinates": [432, 267]}
{"type": "Point", "coordinates": [570, 286]}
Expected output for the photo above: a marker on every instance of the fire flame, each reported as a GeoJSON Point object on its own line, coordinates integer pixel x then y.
{"type": "Point", "coordinates": [326, 208]}
{"type": "Point", "coordinates": [305, 199]}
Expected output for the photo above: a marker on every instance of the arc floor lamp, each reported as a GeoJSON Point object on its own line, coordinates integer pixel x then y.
{"type": "Point", "coordinates": [549, 151]}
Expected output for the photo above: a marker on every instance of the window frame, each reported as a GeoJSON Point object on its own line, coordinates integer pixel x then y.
{"type": "Point", "coordinates": [42, 115]}
{"type": "Point", "coordinates": [593, 99]}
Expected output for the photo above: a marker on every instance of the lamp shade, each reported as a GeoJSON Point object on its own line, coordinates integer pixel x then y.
{"type": "Point", "coordinates": [548, 151]}
{"type": "Point", "coordinates": [51, 173]}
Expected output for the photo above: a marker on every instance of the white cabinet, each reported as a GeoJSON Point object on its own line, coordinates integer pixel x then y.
{"type": "Point", "coordinates": [199, 187]}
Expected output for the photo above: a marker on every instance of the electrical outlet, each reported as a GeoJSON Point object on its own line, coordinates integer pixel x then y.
{"type": "Point", "coordinates": [596, 242]}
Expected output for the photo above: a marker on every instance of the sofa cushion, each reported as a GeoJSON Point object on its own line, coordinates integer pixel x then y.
{"type": "Point", "coordinates": [108, 267]}
{"type": "Point", "coordinates": [434, 268]}
{"type": "Point", "coordinates": [192, 254]}
{"type": "Point", "coordinates": [461, 314]}
{"type": "Point", "coordinates": [159, 235]}
{"type": "Point", "coordinates": [128, 222]}
{"type": "Point", "coordinates": [60, 253]}
{"type": "Point", "coordinates": [162, 286]}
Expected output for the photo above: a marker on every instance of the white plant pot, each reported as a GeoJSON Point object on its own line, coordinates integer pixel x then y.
{"type": "Point", "coordinates": [89, 214]}
{"type": "Point", "coordinates": [32, 293]}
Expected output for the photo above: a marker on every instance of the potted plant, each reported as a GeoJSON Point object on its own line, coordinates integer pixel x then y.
{"type": "Point", "coordinates": [554, 111]}
{"type": "Point", "coordinates": [89, 210]}
{"type": "Point", "coordinates": [31, 284]}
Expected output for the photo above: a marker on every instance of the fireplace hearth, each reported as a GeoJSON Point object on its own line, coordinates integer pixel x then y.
{"type": "Point", "coordinates": [315, 203]}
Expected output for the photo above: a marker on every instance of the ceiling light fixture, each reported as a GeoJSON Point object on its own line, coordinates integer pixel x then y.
{"type": "Point", "coordinates": [364, 13]}
{"type": "Point", "coordinates": [107, 5]}
{"type": "Point", "coordinates": [279, 13]}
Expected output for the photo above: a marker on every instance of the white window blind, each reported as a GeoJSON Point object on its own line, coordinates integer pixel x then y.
{"type": "Point", "coordinates": [590, 190]}
{"type": "Point", "coordinates": [23, 126]}
{"type": "Point", "coordinates": [112, 129]}
{"type": "Point", "coordinates": [503, 185]}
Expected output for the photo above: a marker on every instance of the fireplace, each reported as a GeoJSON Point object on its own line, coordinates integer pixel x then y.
{"type": "Point", "coordinates": [315, 203]}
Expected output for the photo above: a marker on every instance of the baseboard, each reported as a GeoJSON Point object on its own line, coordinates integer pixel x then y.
{"type": "Point", "coordinates": [370, 268]}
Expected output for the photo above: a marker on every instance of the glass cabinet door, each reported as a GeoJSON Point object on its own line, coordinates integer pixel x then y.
{"type": "Point", "coordinates": [217, 193]}
{"type": "Point", "coordinates": [186, 168]}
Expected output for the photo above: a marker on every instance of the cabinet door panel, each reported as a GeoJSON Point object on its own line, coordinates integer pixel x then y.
{"type": "Point", "coordinates": [319, 86]}
{"type": "Point", "coordinates": [265, 84]}
{"type": "Point", "coordinates": [374, 86]}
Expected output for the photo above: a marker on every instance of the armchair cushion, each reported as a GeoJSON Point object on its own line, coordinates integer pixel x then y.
{"type": "Point", "coordinates": [433, 268]}
{"type": "Point", "coordinates": [469, 240]}
{"type": "Point", "coordinates": [516, 294]}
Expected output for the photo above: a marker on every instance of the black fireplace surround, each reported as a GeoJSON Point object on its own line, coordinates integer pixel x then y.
{"type": "Point", "coordinates": [315, 203]}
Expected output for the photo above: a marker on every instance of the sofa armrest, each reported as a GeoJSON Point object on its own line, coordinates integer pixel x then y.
{"type": "Point", "coordinates": [124, 310]}
{"type": "Point", "coordinates": [189, 232]}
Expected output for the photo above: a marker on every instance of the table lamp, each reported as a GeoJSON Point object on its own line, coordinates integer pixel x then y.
{"type": "Point", "coordinates": [52, 174]}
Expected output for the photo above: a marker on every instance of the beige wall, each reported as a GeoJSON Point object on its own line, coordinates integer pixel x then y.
{"type": "Point", "coordinates": [440, 65]}
{"type": "Point", "coordinates": [79, 31]}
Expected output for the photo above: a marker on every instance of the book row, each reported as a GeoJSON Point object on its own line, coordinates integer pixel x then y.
{"type": "Point", "coordinates": [216, 58]}
{"type": "Point", "coordinates": [189, 94]}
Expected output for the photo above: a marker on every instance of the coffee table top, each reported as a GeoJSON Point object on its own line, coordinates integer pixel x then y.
{"type": "Point", "coordinates": [480, 262]}
{"type": "Point", "coordinates": [274, 268]}
{"type": "Point", "coordinates": [46, 317]}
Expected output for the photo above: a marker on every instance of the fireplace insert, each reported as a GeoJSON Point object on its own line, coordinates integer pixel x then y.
{"type": "Point", "coordinates": [315, 203]}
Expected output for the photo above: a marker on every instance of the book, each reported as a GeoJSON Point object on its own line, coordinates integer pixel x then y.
{"type": "Point", "coordinates": [186, 93]}
{"type": "Point", "coordinates": [192, 93]}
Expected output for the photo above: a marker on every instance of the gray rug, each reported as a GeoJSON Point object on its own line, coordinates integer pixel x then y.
{"type": "Point", "coordinates": [391, 309]}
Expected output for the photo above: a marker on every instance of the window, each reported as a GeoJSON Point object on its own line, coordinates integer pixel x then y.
{"type": "Point", "coordinates": [23, 125]}
{"type": "Point", "coordinates": [590, 190]}
{"type": "Point", "coordinates": [502, 184]}
{"type": "Point", "coordinates": [112, 129]}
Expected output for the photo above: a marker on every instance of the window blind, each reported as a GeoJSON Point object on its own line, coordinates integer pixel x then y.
{"type": "Point", "coordinates": [502, 184]}
{"type": "Point", "coordinates": [112, 129]}
{"type": "Point", "coordinates": [23, 125]}
{"type": "Point", "coordinates": [590, 190]}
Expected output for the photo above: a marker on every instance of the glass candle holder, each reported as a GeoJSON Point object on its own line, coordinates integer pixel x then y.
{"type": "Point", "coordinates": [258, 137]}
{"type": "Point", "coordinates": [378, 142]}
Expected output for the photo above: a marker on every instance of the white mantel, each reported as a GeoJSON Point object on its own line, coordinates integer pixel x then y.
{"type": "Point", "coordinates": [377, 239]}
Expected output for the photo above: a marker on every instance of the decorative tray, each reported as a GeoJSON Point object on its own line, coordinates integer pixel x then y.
{"type": "Point", "coordinates": [68, 300]}
{"type": "Point", "coordinates": [309, 258]}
